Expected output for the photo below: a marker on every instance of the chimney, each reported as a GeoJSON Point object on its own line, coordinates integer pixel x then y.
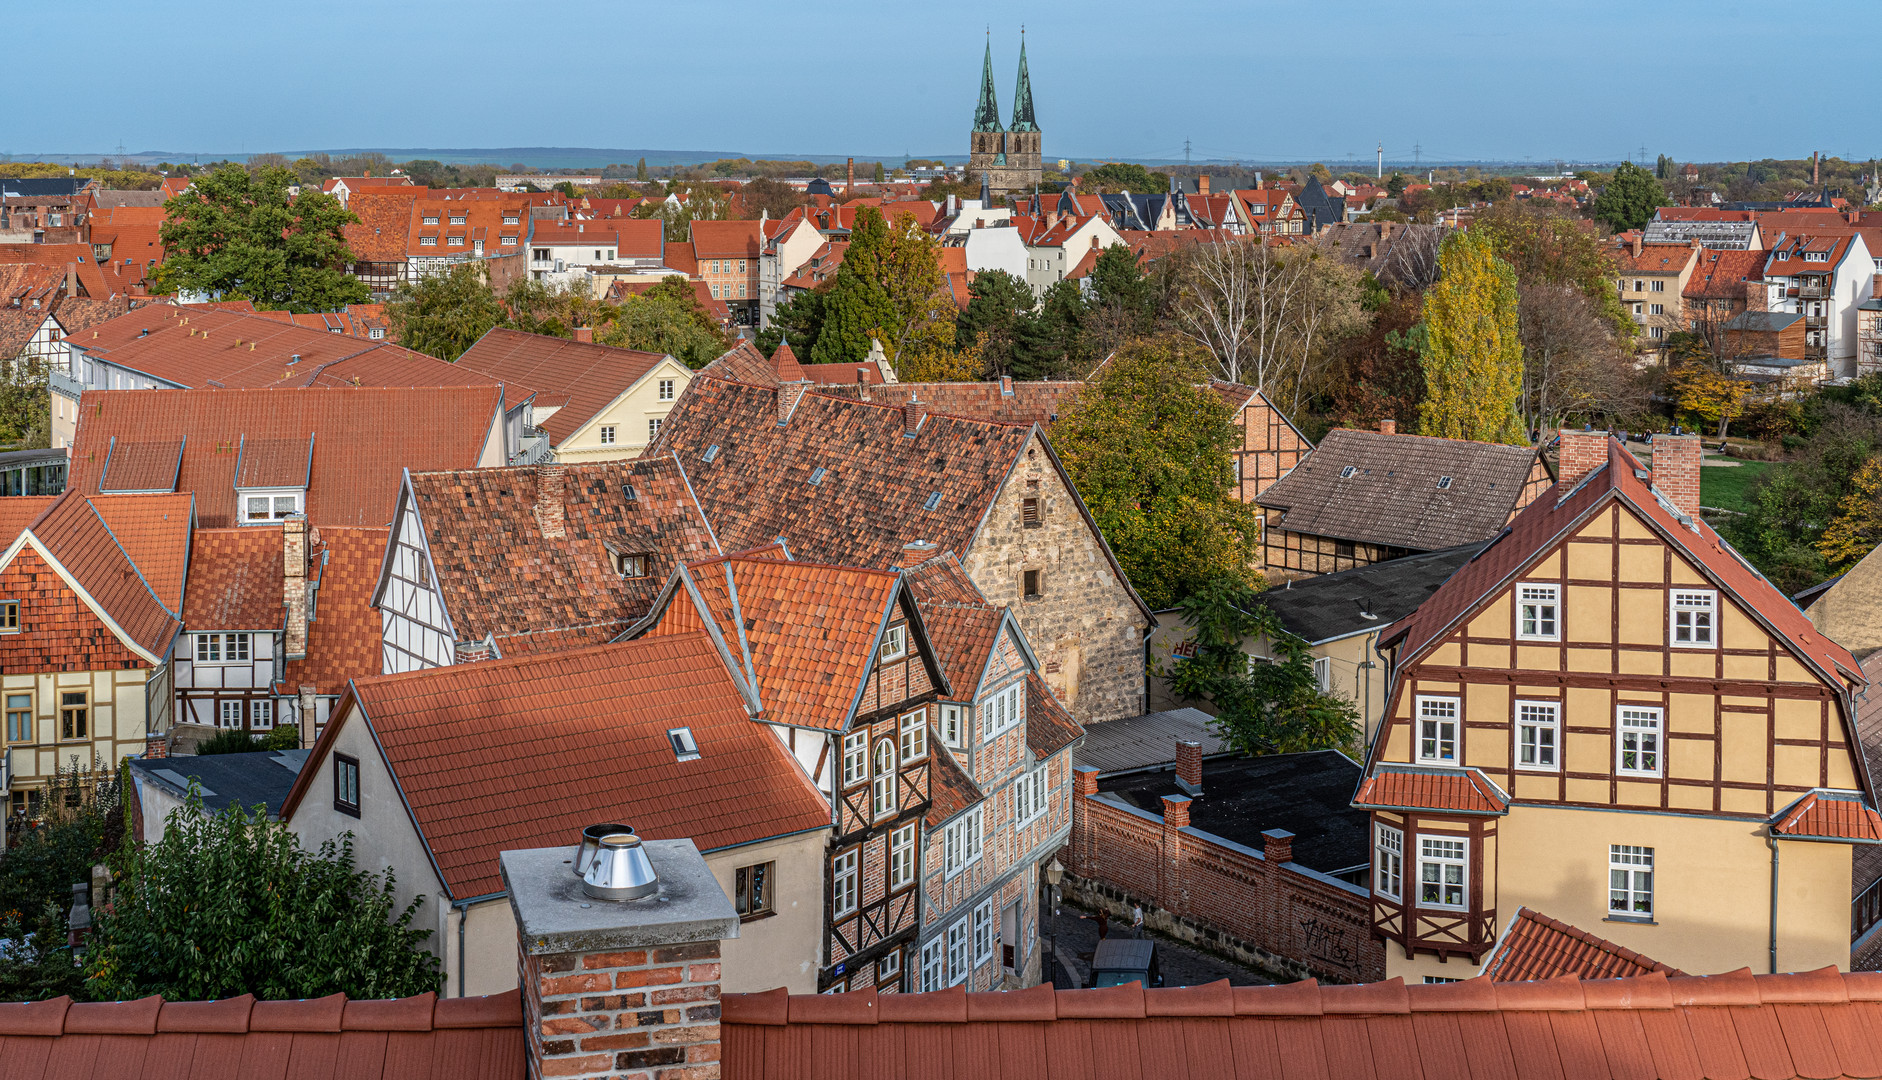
{"type": "Point", "coordinates": [1006, 386]}
{"type": "Point", "coordinates": [1202, 185]}
{"type": "Point", "coordinates": [619, 987]}
{"type": "Point", "coordinates": [1676, 471]}
{"type": "Point", "coordinates": [1388, 427]}
{"type": "Point", "coordinates": [310, 713]}
{"type": "Point", "coordinates": [294, 585]}
{"type": "Point", "coordinates": [1176, 811]}
{"type": "Point", "coordinates": [789, 394]}
{"type": "Point", "coordinates": [913, 413]}
{"type": "Point", "coordinates": [913, 552]}
{"type": "Point", "coordinates": [849, 187]}
{"type": "Point", "coordinates": [1277, 847]}
{"type": "Point", "coordinates": [1637, 241]}
{"type": "Point", "coordinates": [585, 333]}
{"type": "Point", "coordinates": [1581, 453]}
{"type": "Point", "coordinates": [71, 279]}
{"type": "Point", "coordinates": [550, 483]}
{"type": "Point", "coordinates": [1816, 167]}
{"type": "Point", "coordinates": [1189, 766]}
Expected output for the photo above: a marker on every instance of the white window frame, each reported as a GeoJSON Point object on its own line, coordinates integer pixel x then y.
{"type": "Point", "coordinates": [1388, 874]}
{"type": "Point", "coordinates": [953, 851]}
{"type": "Point", "coordinates": [975, 833]}
{"type": "Point", "coordinates": [1543, 721]}
{"type": "Point", "coordinates": [274, 510]}
{"type": "Point", "coordinates": [902, 857]}
{"type": "Point", "coordinates": [1444, 853]}
{"type": "Point", "coordinates": [1647, 727]}
{"type": "Point", "coordinates": [958, 960]}
{"type": "Point", "coordinates": [607, 434]}
{"type": "Point", "coordinates": [845, 882]}
{"type": "Point", "coordinates": [894, 643]}
{"type": "Point", "coordinates": [1002, 711]}
{"type": "Point", "coordinates": [229, 713]}
{"type": "Point", "coordinates": [1455, 721]}
{"type": "Point", "coordinates": [914, 732]}
{"type": "Point", "coordinates": [666, 389]}
{"type": "Point", "coordinates": [653, 428]}
{"type": "Point", "coordinates": [1538, 611]}
{"type": "Point", "coordinates": [882, 781]}
{"type": "Point", "coordinates": [855, 758]}
{"type": "Point", "coordinates": [889, 968]}
{"type": "Point", "coordinates": [1323, 673]}
{"type": "Point", "coordinates": [261, 714]}
{"type": "Point", "coordinates": [1630, 881]}
{"type": "Point", "coordinates": [1710, 609]}
{"type": "Point", "coordinates": [933, 964]}
{"type": "Point", "coordinates": [983, 932]}
{"type": "Point", "coordinates": [224, 649]}
{"type": "Point", "coordinates": [952, 725]}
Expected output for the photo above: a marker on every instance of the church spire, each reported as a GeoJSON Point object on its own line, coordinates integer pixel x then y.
{"type": "Point", "coordinates": [1023, 119]}
{"type": "Point", "coordinates": [987, 112]}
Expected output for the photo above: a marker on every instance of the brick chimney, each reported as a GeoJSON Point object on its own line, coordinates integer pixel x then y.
{"type": "Point", "coordinates": [789, 394]}
{"type": "Point", "coordinates": [1388, 427]}
{"type": "Point", "coordinates": [1676, 470]}
{"type": "Point", "coordinates": [1006, 386]}
{"type": "Point", "coordinates": [1189, 766]}
{"type": "Point", "coordinates": [913, 552]}
{"type": "Point", "coordinates": [619, 988]}
{"type": "Point", "coordinates": [551, 481]}
{"type": "Point", "coordinates": [1176, 812]}
{"type": "Point", "coordinates": [1581, 453]}
{"type": "Point", "coordinates": [1277, 846]}
{"type": "Point", "coordinates": [1202, 185]}
{"type": "Point", "coordinates": [914, 411]}
{"type": "Point", "coordinates": [71, 279]}
{"type": "Point", "coordinates": [309, 714]}
{"type": "Point", "coordinates": [849, 187]}
{"type": "Point", "coordinates": [1084, 780]}
{"type": "Point", "coordinates": [294, 585]}
{"type": "Point", "coordinates": [1637, 241]}
{"type": "Point", "coordinates": [585, 333]}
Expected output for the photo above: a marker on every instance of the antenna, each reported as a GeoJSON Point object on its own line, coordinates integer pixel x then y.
{"type": "Point", "coordinates": [1186, 153]}
{"type": "Point", "coordinates": [1417, 149]}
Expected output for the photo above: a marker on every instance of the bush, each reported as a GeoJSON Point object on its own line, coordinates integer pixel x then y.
{"type": "Point", "coordinates": [230, 742]}
{"type": "Point", "coordinates": [81, 821]}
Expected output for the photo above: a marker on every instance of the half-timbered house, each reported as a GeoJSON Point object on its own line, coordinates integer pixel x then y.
{"type": "Point", "coordinates": [1609, 716]}
{"type": "Point", "coordinates": [1270, 444]}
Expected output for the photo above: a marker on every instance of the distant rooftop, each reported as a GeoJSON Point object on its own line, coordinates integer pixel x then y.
{"type": "Point", "coordinates": [1332, 606]}
{"type": "Point", "coordinates": [1147, 741]}
{"type": "Point", "coordinates": [262, 778]}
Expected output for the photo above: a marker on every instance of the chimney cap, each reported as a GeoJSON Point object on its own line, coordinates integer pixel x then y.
{"type": "Point", "coordinates": [620, 870]}
{"type": "Point", "coordinates": [554, 916]}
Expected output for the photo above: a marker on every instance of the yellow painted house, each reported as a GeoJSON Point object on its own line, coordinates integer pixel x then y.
{"type": "Point", "coordinates": [587, 402]}
{"type": "Point", "coordinates": [1609, 718]}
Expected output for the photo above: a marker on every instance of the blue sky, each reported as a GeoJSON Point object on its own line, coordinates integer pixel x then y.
{"type": "Point", "coordinates": [1250, 81]}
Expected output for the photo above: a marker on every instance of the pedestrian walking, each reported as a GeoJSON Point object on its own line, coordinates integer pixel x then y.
{"type": "Point", "coordinates": [1137, 920]}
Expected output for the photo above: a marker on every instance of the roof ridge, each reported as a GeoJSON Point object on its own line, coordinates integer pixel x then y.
{"type": "Point", "coordinates": [369, 681]}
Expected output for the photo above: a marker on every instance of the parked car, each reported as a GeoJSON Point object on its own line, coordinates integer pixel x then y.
{"type": "Point", "coordinates": [1125, 960]}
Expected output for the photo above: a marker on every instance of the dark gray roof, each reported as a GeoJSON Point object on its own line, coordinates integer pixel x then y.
{"type": "Point", "coordinates": [246, 780]}
{"type": "Point", "coordinates": [1309, 795]}
{"type": "Point", "coordinates": [1147, 741]}
{"type": "Point", "coordinates": [115, 197]}
{"type": "Point", "coordinates": [16, 459]}
{"type": "Point", "coordinates": [1334, 605]}
{"type": "Point", "coordinates": [1392, 496]}
{"type": "Point", "coordinates": [42, 186]}
{"type": "Point", "coordinates": [1763, 322]}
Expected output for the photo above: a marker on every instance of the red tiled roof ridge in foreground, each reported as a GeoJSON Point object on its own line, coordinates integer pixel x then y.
{"type": "Point", "coordinates": [1830, 814]}
{"type": "Point", "coordinates": [1535, 946]}
{"type": "Point", "coordinates": [1431, 787]}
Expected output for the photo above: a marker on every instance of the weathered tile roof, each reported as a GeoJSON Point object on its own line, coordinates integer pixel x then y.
{"type": "Point", "coordinates": [579, 378]}
{"type": "Point", "coordinates": [1393, 495]}
{"type": "Point", "coordinates": [1007, 401]}
{"type": "Point", "coordinates": [720, 239]}
{"type": "Point", "coordinates": [343, 628]}
{"type": "Point", "coordinates": [363, 439]}
{"type": "Point", "coordinates": [1049, 727]}
{"type": "Point", "coordinates": [154, 531]}
{"type": "Point", "coordinates": [235, 579]}
{"type": "Point", "coordinates": [94, 281]}
{"type": "Point", "coordinates": [488, 547]}
{"type": "Point", "coordinates": [17, 512]}
{"type": "Point", "coordinates": [1653, 258]}
{"type": "Point", "coordinates": [74, 533]}
{"type": "Point", "coordinates": [384, 219]}
{"type": "Point", "coordinates": [950, 789]}
{"type": "Point", "coordinates": [961, 624]}
{"type": "Point", "coordinates": [1535, 947]}
{"type": "Point", "coordinates": [743, 363]}
{"type": "Point", "coordinates": [598, 721]}
{"type": "Point", "coordinates": [1830, 815]}
{"type": "Point", "coordinates": [1722, 275]}
{"type": "Point", "coordinates": [1420, 787]}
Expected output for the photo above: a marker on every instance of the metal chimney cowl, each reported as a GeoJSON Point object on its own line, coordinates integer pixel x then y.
{"type": "Point", "coordinates": [620, 870]}
{"type": "Point", "coordinates": [591, 843]}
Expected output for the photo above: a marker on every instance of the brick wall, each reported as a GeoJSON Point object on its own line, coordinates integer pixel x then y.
{"type": "Point", "coordinates": [1676, 470]}
{"type": "Point", "coordinates": [1222, 895]}
{"type": "Point", "coordinates": [638, 1013]}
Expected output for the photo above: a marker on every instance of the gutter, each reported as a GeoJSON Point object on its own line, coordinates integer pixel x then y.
{"type": "Point", "coordinates": [462, 907]}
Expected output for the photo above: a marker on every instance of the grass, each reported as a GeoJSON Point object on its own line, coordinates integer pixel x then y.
{"type": "Point", "coordinates": [1725, 487]}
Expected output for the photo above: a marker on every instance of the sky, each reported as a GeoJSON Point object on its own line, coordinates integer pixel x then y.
{"type": "Point", "coordinates": [1248, 81]}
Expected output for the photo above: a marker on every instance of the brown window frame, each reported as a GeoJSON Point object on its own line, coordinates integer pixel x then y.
{"type": "Point", "coordinates": [83, 711]}
{"type": "Point", "coordinates": [1031, 512]}
{"type": "Point", "coordinates": [1032, 585]}
{"type": "Point", "coordinates": [32, 714]}
{"type": "Point", "coordinates": [765, 875]}
{"type": "Point", "coordinates": [9, 616]}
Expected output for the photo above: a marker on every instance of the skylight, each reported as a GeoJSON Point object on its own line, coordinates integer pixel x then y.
{"type": "Point", "coordinates": [816, 474]}
{"type": "Point", "coordinates": [712, 452]}
{"type": "Point", "coordinates": [685, 747]}
{"type": "Point", "coordinates": [934, 500]}
{"type": "Point", "coordinates": [1348, 471]}
{"type": "Point", "coordinates": [1444, 482]}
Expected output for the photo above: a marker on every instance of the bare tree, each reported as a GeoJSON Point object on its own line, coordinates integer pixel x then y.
{"type": "Point", "coordinates": [1412, 262]}
{"type": "Point", "coordinates": [1572, 364]}
{"type": "Point", "coordinates": [1265, 314]}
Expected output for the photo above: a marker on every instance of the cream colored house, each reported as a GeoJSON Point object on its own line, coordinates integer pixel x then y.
{"type": "Point", "coordinates": [591, 402]}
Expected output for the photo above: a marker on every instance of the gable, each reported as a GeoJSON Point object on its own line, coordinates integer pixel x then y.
{"type": "Point", "coordinates": [59, 631]}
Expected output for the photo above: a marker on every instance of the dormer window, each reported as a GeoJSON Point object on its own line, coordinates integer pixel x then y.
{"type": "Point", "coordinates": [262, 506]}
{"type": "Point", "coordinates": [629, 565]}
{"type": "Point", "coordinates": [895, 643]}
{"type": "Point", "coordinates": [431, 219]}
{"type": "Point", "coordinates": [1348, 472]}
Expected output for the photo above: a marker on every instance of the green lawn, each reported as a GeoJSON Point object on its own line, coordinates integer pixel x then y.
{"type": "Point", "coordinates": [1725, 487]}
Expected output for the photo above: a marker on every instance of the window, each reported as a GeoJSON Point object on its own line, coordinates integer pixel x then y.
{"type": "Point", "coordinates": [1657, 333]}
{"type": "Point", "coordinates": [1538, 734]}
{"type": "Point", "coordinates": [1437, 731]}
{"type": "Point", "coordinates": [9, 616]}
{"type": "Point", "coordinates": [377, 333]}
{"type": "Point", "coordinates": [1444, 483]}
{"type": "Point", "coordinates": [1640, 309]}
{"type": "Point", "coordinates": [894, 643]}
{"type": "Point", "coordinates": [1029, 513]}
{"type": "Point", "coordinates": [539, 254]}
{"type": "Point", "coordinates": [1033, 589]}
{"type": "Point", "coordinates": [431, 219]}
{"type": "Point", "coordinates": [270, 506]}
{"type": "Point", "coordinates": [914, 736]}
{"type": "Point", "coordinates": [1693, 619]}
{"type": "Point", "coordinates": [951, 725]}
{"type": "Point", "coordinates": [346, 785]}
{"type": "Point", "coordinates": [983, 932]}
{"type": "Point", "coordinates": [607, 434]}
{"type": "Point", "coordinates": [511, 219]}
{"type": "Point", "coordinates": [230, 713]}
{"type": "Point", "coordinates": [1656, 309]}
{"type": "Point", "coordinates": [685, 745]}
{"type": "Point", "coordinates": [428, 241]}
{"type": "Point", "coordinates": [751, 890]}
{"type": "Point", "coordinates": [19, 718]}
{"type": "Point", "coordinates": [1637, 751]}
{"type": "Point", "coordinates": [261, 714]}
{"type": "Point", "coordinates": [1388, 876]}
{"type": "Point", "coordinates": [1348, 472]}
{"type": "Point", "coordinates": [1002, 711]}
{"type": "Point", "coordinates": [666, 389]}
{"type": "Point", "coordinates": [958, 966]}
{"type": "Point", "coordinates": [902, 857]}
{"type": "Point", "coordinates": [1659, 285]}
{"type": "Point", "coordinates": [653, 428]}
{"type": "Point", "coordinates": [1323, 673]}
{"type": "Point", "coordinates": [1639, 285]}
{"type": "Point", "coordinates": [74, 714]}
{"type": "Point", "coordinates": [1630, 881]}
{"type": "Point", "coordinates": [222, 648]}
{"type": "Point", "coordinates": [855, 758]}
{"type": "Point", "coordinates": [889, 970]}
{"type": "Point", "coordinates": [961, 842]}
{"type": "Point", "coordinates": [817, 474]}
{"type": "Point", "coordinates": [843, 877]}
{"type": "Point", "coordinates": [455, 240]}
{"type": "Point", "coordinates": [1029, 797]}
{"type": "Point", "coordinates": [507, 240]}
{"type": "Point", "coordinates": [882, 784]}
{"type": "Point", "coordinates": [1440, 873]}
{"type": "Point", "coordinates": [933, 971]}
{"type": "Point", "coordinates": [1536, 612]}
{"type": "Point", "coordinates": [630, 566]}
{"type": "Point", "coordinates": [1344, 549]}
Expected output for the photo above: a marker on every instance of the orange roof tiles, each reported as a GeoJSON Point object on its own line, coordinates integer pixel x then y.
{"type": "Point", "coordinates": [1049, 726]}
{"type": "Point", "coordinates": [1535, 946]}
{"type": "Point", "coordinates": [343, 628]}
{"type": "Point", "coordinates": [1008, 401]}
{"type": "Point", "coordinates": [1830, 815]}
{"type": "Point", "coordinates": [93, 281]}
{"type": "Point", "coordinates": [384, 219]}
{"type": "Point", "coordinates": [1722, 275]}
{"type": "Point", "coordinates": [154, 531]}
{"type": "Point", "coordinates": [745, 364]}
{"type": "Point", "coordinates": [17, 512]}
{"type": "Point", "coordinates": [961, 625]}
{"type": "Point", "coordinates": [629, 237]}
{"type": "Point", "coordinates": [1408, 787]}
{"type": "Point", "coordinates": [950, 791]}
{"type": "Point", "coordinates": [725, 239]}
{"type": "Point", "coordinates": [598, 721]}
{"type": "Point", "coordinates": [1654, 258]}
{"type": "Point", "coordinates": [578, 378]}
{"type": "Point", "coordinates": [74, 533]}
{"type": "Point", "coordinates": [235, 579]}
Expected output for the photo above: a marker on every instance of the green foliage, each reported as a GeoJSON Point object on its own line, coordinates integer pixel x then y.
{"type": "Point", "coordinates": [35, 961]}
{"type": "Point", "coordinates": [283, 737]}
{"type": "Point", "coordinates": [1473, 357]}
{"type": "Point", "coordinates": [1629, 199]}
{"type": "Point", "coordinates": [230, 742]}
{"type": "Point", "coordinates": [858, 304]}
{"type": "Point", "coordinates": [1000, 306]}
{"type": "Point", "coordinates": [230, 903]}
{"type": "Point", "coordinates": [238, 234]}
{"type": "Point", "coordinates": [1263, 706]}
{"type": "Point", "coordinates": [1122, 176]}
{"type": "Point", "coordinates": [1150, 451]}
{"type": "Point", "coordinates": [640, 170]}
{"type": "Point", "coordinates": [1545, 245]}
{"type": "Point", "coordinates": [1123, 287]}
{"type": "Point", "coordinates": [81, 821]}
{"type": "Point", "coordinates": [799, 320]}
{"type": "Point", "coordinates": [25, 407]}
{"type": "Point", "coordinates": [444, 314]}
{"type": "Point", "coordinates": [1789, 507]}
{"type": "Point", "coordinates": [669, 319]}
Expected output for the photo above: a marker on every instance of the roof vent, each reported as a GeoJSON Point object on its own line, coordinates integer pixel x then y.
{"type": "Point", "coordinates": [620, 870]}
{"type": "Point", "coordinates": [685, 747]}
{"type": "Point", "coordinates": [712, 453]}
{"type": "Point", "coordinates": [591, 843]}
{"type": "Point", "coordinates": [816, 474]}
{"type": "Point", "coordinates": [295, 359]}
{"type": "Point", "coordinates": [1347, 472]}
{"type": "Point", "coordinates": [933, 500]}
{"type": "Point", "coordinates": [145, 332]}
{"type": "Point", "coordinates": [1444, 483]}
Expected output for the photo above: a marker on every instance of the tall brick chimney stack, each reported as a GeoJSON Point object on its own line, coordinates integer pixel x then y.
{"type": "Point", "coordinates": [1581, 453]}
{"type": "Point", "coordinates": [1202, 185]}
{"type": "Point", "coordinates": [913, 413]}
{"type": "Point", "coordinates": [849, 186]}
{"type": "Point", "coordinates": [1189, 766]}
{"type": "Point", "coordinates": [551, 482]}
{"type": "Point", "coordinates": [619, 988]}
{"type": "Point", "coordinates": [1388, 427]}
{"type": "Point", "coordinates": [294, 585]}
{"type": "Point", "coordinates": [1676, 470]}
{"type": "Point", "coordinates": [789, 394]}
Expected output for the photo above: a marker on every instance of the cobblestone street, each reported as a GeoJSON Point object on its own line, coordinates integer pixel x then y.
{"type": "Point", "coordinates": [1074, 936]}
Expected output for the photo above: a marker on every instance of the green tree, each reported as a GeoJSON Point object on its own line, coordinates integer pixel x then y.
{"type": "Point", "coordinates": [1546, 245]}
{"type": "Point", "coordinates": [1123, 176]}
{"type": "Point", "coordinates": [81, 821]}
{"type": "Point", "coordinates": [1270, 705]}
{"type": "Point", "coordinates": [640, 170]}
{"type": "Point", "coordinates": [878, 173]}
{"type": "Point", "coordinates": [858, 304]}
{"type": "Point", "coordinates": [1150, 451]}
{"type": "Point", "coordinates": [239, 235]}
{"type": "Point", "coordinates": [668, 318]}
{"type": "Point", "coordinates": [999, 314]}
{"type": "Point", "coordinates": [1122, 286]}
{"type": "Point", "coordinates": [230, 903]}
{"type": "Point", "coordinates": [1473, 355]}
{"type": "Point", "coordinates": [25, 407]}
{"type": "Point", "coordinates": [799, 320]}
{"type": "Point", "coordinates": [1858, 525]}
{"type": "Point", "coordinates": [1629, 198]}
{"type": "Point", "coordinates": [443, 314]}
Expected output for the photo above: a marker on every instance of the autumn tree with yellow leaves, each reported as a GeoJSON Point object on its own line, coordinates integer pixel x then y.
{"type": "Point", "coordinates": [1473, 351]}
{"type": "Point", "coordinates": [1858, 525]}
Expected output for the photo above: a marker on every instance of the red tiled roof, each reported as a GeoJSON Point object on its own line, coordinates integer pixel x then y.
{"type": "Point", "coordinates": [580, 378]}
{"type": "Point", "coordinates": [73, 532]}
{"type": "Point", "coordinates": [1830, 815]}
{"type": "Point", "coordinates": [1535, 946]}
{"type": "Point", "coordinates": [1787, 258]}
{"type": "Point", "coordinates": [723, 239]}
{"type": "Point", "coordinates": [235, 579]}
{"type": "Point", "coordinates": [154, 530]}
{"type": "Point", "coordinates": [1410, 787]}
{"type": "Point", "coordinates": [598, 721]}
{"type": "Point", "coordinates": [961, 625]}
{"type": "Point", "coordinates": [343, 631]}
{"type": "Point", "coordinates": [784, 362]}
{"type": "Point", "coordinates": [17, 512]}
{"type": "Point", "coordinates": [1005, 401]}
{"type": "Point", "coordinates": [1653, 258]}
{"type": "Point", "coordinates": [629, 237]}
{"type": "Point", "coordinates": [950, 789]}
{"type": "Point", "coordinates": [93, 280]}
{"type": "Point", "coordinates": [743, 363]}
{"type": "Point", "coordinates": [1049, 726]}
{"type": "Point", "coordinates": [1721, 275]}
{"type": "Point", "coordinates": [681, 258]}
{"type": "Point", "coordinates": [465, 1038]}
{"type": "Point", "coordinates": [384, 216]}
{"type": "Point", "coordinates": [363, 440]}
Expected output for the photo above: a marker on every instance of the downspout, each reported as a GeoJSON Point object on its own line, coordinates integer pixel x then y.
{"type": "Point", "coordinates": [1770, 838]}
{"type": "Point", "coordinates": [462, 907]}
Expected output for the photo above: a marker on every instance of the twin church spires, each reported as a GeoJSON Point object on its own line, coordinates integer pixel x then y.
{"type": "Point", "coordinates": [1008, 157]}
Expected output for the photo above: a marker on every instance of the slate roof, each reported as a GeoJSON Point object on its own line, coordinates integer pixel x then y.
{"type": "Point", "coordinates": [488, 548]}
{"type": "Point", "coordinates": [1535, 946]}
{"type": "Point", "coordinates": [262, 778]}
{"type": "Point", "coordinates": [598, 720]}
{"type": "Point", "coordinates": [1423, 787]}
{"type": "Point", "coordinates": [1393, 497]}
{"type": "Point", "coordinates": [1330, 606]}
{"type": "Point", "coordinates": [1764, 322]}
{"type": "Point", "coordinates": [579, 378]}
{"type": "Point", "coordinates": [363, 439]}
{"type": "Point", "coordinates": [1147, 741]}
{"type": "Point", "coordinates": [1006, 401]}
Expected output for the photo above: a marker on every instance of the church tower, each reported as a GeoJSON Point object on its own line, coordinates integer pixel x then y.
{"type": "Point", "coordinates": [1022, 138]}
{"type": "Point", "coordinates": [988, 149]}
{"type": "Point", "coordinates": [1008, 158]}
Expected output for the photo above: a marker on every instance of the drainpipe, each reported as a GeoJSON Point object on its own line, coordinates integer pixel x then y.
{"type": "Point", "coordinates": [462, 907]}
{"type": "Point", "coordinates": [1770, 838]}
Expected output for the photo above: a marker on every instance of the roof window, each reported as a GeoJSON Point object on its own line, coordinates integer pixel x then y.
{"type": "Point", "coordinates": [817, 474]}
{"type": "Point", "coordinates": [1347, 472]}
{"type": "Point", "coordinates": [685, 747]}
{"type": "Point", "coordinates": [933, 500]}
{"type": "Point", "coordinates": [628, 492]}
{"type": "Point", "coordinates": [712, 453]}
{"type": "Point", "coordinates": [1444, 483]}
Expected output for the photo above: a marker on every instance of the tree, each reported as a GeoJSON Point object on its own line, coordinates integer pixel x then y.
{"type": "Point", "coordinates": [239, 235]}
{"type": "Point", "coordinates": [1629, 199]}
{"type": "Point", "coordinates": [1473, 357]}
{"type": "Point", "coordinates": [1858, 525]}
{"type": "Point", "coordinates": [667, 318]}
{"type": "Point", "coordinates": [999, 315]}
{"type": "Point", "coordinates": [1275, 706]}
{"type": "Point", "coordinates": [640, 170]}
{"type": "Point", "coordinates": [1701, 392]}
{"type": "Point", "coordinates": [1119, 284]}
{"type": "Point", "coordinates": [798, 320]}
{"type": "Point", "coordinates": [537, 307]}
{"type": "Point", "coordinates": [1545, 245]}
{"type": "Point", "coordinates": [858, 304]}
{"type": "Point", "coordinates": [878, 177]}
{"type": "Point", "coordinates": [1149, 450]}
{"type": "Point", "coordinates": [1121, 176]}
{"type": "Point", "coordinates": [921, 309]}
{"type": "Point", "coordinates": [1572, 364]}
{"type": "Point", "coordinates": [230, 903]}
{"type": "Point", "coordinates": [773, 198]}
{"type": "Point", "coordinates": [1374, 374]}
{"type": "Point", "coordinates": [82, 820]}
{"type": "Point", "coordinates": [444, 314]}
{"type": "Point", "coordinates": [25, 407]}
